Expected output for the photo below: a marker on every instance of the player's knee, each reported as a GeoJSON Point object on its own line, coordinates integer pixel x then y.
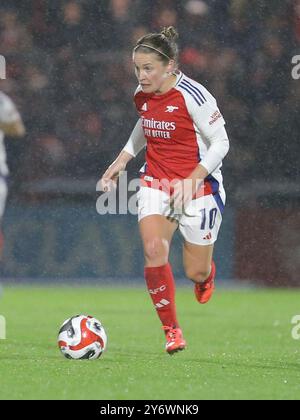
{"type": "Point", "coordinates": [156, 251]}
{"type": "Point", "coordinates": [197, 275]}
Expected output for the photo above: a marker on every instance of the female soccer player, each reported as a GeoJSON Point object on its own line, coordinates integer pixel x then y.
{"type": "Point", "coordinates": [11, 124]}
{"type": "Point", "coordinates": [183, 129]}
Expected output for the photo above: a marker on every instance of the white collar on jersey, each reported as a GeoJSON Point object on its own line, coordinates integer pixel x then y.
{"type": "Point", "coordinates": [179, 75]}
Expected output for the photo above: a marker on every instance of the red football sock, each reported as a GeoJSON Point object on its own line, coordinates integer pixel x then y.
{"type": "Point", "coordinates": [161, 286]}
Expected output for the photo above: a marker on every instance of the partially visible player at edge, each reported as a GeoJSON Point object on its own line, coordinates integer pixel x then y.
{"type": "Point", "coordinates": [10, 125]}
{"type": "Point", "coordinates": [186, 141]}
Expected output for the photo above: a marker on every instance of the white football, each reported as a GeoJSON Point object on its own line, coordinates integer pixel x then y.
{"type": "Point", "coordinates": [82, 337]}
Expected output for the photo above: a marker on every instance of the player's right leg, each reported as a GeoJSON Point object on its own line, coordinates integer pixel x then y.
{"type": "Point", "coordinates": [157, 232]}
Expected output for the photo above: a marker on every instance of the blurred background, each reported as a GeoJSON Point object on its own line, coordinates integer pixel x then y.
{"type": "Point", "coordinates": [70, 72]}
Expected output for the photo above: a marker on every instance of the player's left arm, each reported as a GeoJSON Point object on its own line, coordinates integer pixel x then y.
{"type": "Point", "coordinates": [219, 147]}
{"type": "Point", "coordinates": [210, 124]}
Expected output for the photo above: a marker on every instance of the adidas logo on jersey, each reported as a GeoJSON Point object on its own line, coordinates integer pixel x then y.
{"type": "Point", "coordinates": [171, 108]}
{"type": "Point", "coordinates": [145, 107]}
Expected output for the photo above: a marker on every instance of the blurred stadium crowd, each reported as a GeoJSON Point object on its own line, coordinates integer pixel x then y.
{"type": "Point", "coordinates": [70, 72]}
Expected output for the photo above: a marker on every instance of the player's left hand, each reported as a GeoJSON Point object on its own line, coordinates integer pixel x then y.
{"type": "Point", "coordinates": [182, 194]}
{"type": "Point", "coordinates": [184, 190]}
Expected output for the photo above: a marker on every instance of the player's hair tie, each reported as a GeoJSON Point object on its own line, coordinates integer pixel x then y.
{"type": "Point", "coordinates": [153, 48]}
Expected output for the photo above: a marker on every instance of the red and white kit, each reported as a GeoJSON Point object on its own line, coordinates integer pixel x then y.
{"type": "Point", "coordinates": [8, 115]}
{"type": "Point", "coordinates": [181, 129]}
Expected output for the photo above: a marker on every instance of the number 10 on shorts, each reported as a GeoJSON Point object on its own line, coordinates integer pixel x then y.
{"type": "Point", "coordinates": [211, 218]}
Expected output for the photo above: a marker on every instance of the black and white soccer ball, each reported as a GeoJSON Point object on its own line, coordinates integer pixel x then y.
{"type": "Point", "coordinates": [82, 337]}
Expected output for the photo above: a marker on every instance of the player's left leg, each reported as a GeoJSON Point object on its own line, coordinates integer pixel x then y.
{"type": "Point", "coordinates": [200, 226]}
{"type": "Point", "coordinates": [200, 268]}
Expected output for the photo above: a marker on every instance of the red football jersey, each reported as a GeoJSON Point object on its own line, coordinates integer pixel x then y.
{"type": "Point", "coordinates": [177, 126]}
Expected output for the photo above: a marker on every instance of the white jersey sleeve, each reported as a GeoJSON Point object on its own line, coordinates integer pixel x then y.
{"type": "Point", "coordinates": [8, 111]}
{"type": "Point", "coordinates": [137, 140]}
{"type": "Point", "coordinates": [202, 107]}
{"type": "Point", "coordinates": [208, 123]}
{"type": "Point", "coordinates": [219, 147]}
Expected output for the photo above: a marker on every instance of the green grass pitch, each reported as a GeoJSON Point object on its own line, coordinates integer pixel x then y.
{"type": "Point", "coordinates": [239, 346]}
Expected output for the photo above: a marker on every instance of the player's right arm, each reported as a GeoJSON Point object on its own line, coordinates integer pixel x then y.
{"type": "Point", "coordinates": [10, 120]}
{"type": "Point", "coordinates": [15, 129]}
{"type": "Point", "coordinates": [135, 144]}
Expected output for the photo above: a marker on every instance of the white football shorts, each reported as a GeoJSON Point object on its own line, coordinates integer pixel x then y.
{"type": "Point", "coordinates": [199, 223]}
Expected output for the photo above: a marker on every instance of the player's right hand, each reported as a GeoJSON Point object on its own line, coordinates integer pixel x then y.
{"type": "Point", "coordinates": [109, 180]}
